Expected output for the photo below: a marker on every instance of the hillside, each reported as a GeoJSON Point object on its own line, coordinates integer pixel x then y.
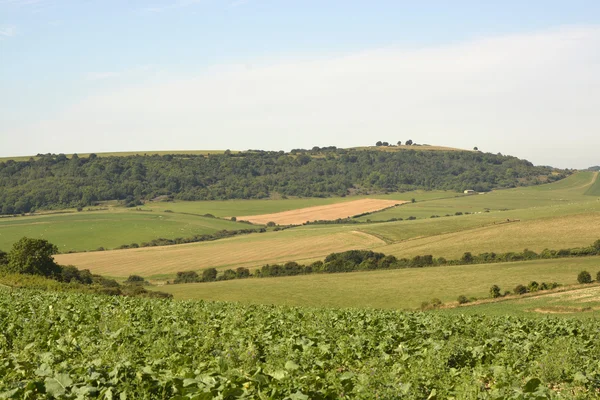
{"type": "Point", "coordinates": [57, 181]}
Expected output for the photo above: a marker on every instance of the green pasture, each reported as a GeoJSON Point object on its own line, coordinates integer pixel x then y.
{"type": "Point", "coordinates": [581, 301]}
{"type": "Point", "coordinates": [89, 230]}
{"type": "Point", "coordinates": [396, 289]}
{"type": "Point", "coordinates": [557, 194]}
{"type": "Point", "coordinates": [234, 208]}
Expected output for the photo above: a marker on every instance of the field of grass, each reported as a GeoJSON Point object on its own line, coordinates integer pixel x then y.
{"type": "Point", "coordinates": [242, 251]}
{"type": "Point", "coordinates": [234, 208]}
{"type": "Point", "coordinates": [557, 194]}
{"type": "Point", "coordinates": [393, 289]}
{"type": "Point", "coordinates": [594, 190]}
{"type": "Point", "coordinates": [88, 230]}
{"type": "Point", "coordinates": [580, 301]}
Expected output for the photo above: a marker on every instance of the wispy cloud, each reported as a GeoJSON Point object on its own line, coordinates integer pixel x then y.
{"type": "Point", "coordinates": [532, 95]}
{"type": "Point", "coordinates": [7, 31]}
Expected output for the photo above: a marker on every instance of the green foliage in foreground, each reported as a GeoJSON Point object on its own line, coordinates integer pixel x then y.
{"type": "Point", "coordinates": [82, 346]}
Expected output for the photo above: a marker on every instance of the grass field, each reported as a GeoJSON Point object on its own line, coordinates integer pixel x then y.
{"type": "Point", "coordinates": [594, 190]}
{"type": "Point", "coordinates": [108, 229]}
{"type": "Point", "coordinates": [326, 213]}
{"type": "Point", "coordinates": [248, 251]}
{"type": "Point", "coordinates": [236, 208]}
{"type": "Point", "coordinates": [398, 289]}
{"type": "Point", "coordinates": [582, 301]}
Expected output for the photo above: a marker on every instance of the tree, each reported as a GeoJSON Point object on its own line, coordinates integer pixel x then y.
{"type": "Point", "coordinates": [135, 280]}
{"type": "Point", "coordinates": [409, 142]}
{"type": "Point", "coordinates": [462, 299]}
{"type": "Point", "coordinates": [379, 143]}
{"type": "Point", "coordinates": [467, 258]}
{"type": "Point", "coordinates": [584, 277]}
{"type": "Point", "coordinates": [399, 143]}
{"type": "Point", "coordinates": [520, 289]}
{"type": "Point", "coordinates": [475, 148]}
{"type": "Point", "coordinates": [242, 272]}
{"type": "Point", "coordinates": [3, 258]}
{"type": "Point", "coordinates": [495, 292]}
{"type": "Point", "coordinates": [209, 275]}
{"type": "Point", "coordinates": [187, 277]}
{"type": "Point", "coordinates": [386, 144]}
{"type": "Point", "coordinates": [34, 257]}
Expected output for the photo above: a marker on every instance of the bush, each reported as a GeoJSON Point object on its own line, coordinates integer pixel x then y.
{"type": "Point", "coordinates": [584, 277]}
{"type": "Point", "coordinates": [495, 291]}
{"type": "Point", "coordinates": [462, 299]}
{"type": "Point", "coordinates": [136, 280]}
{"type": "Point", "coordinates": [209, 275]}
{"type": "Point", "coordinates": [271, 224]}
{"type": "Point", "coordinates": [187, 277]}
{"type": "Point", "coordinates": [520, 289]}
{"type": "Point", "coordinates": [533, 286]}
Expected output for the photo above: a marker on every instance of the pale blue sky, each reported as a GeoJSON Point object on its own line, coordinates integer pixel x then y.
{"type": "Point", "coordinates": [516, 77]}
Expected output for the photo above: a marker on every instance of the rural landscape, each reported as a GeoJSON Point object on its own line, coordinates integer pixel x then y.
{"type": "Point", "coordinates": [299, 200]}
{"type": "Point", "coordinates": [404, 264]}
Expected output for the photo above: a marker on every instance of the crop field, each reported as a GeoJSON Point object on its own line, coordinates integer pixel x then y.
{"type": "Point", "coordinates": [89, 230]}
{"type": "Point", "coordinates": [58, 345]}
{"type": "Point", "coordinates": [393, 289]}
{"type": "Point", "coordinates": [328, 212]}
{"type": "Point", "coordinates": [243, 251]}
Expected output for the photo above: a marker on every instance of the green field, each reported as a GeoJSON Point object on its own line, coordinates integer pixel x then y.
{"type": "Point", "coordinates": [89, 230]}
{"type": "Point", "coordinates": [232, 208]}
{"type": "Point", "coordinates": [582, 301]}
{"type": "Point", "coordinates": [393, 289]}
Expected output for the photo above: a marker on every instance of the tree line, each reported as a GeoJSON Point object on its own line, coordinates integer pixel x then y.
{"type": "Point", "coordinates": [57, 181]}
{"type": "Point", "coordinates": [365, 260]}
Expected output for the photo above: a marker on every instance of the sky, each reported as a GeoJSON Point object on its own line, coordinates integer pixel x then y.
{"type": "Point", "coordinates": [510, 77]}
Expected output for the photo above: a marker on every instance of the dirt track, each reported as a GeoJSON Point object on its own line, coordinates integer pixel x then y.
{"type": "Point", "coordinates": [329, 212]}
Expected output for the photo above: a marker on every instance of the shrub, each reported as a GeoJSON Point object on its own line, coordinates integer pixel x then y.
{"type": "Point", "coordinates": [233, 219]}
{"type": "Point", "coordinates": [462, 299]}
{"type": "Point", "coordinates": [584, 277]}
{"type": "Point", "coordinates": [520, 289]}
{"type": "Point", "coordinates": [136, 280]}
{"type": "Point", "coordinates": [495, 291]}
{"type": "Point", "coordinates": [209, 275]}
{"type": "Point", "coordinates": [533, 286]}
{"type": "Point", "coordinates": [187, 277]}
{"type": "Point", "coordinates": [271, 224]}
{"type": "Point", "coordinates": [435, 302]}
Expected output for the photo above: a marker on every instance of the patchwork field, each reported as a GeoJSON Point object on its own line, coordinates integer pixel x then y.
{"type": "Point", "coordinates": [565, 218]}
{"type": "Point", "coordinates": [243, 251]}
{"type": "Point", "coordinates": [400, 289]}
{"type": "Point", "coordinates": [108, 229]}
{"type": "Point", "coordinates": [328, 212]}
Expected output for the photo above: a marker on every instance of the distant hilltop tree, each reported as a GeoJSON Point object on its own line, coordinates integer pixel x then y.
{"type": "Point", "coordinates": [409, 142]}
{"type": "Point", "coordinates": [399, 143]}
{"type": "Point", "coordinates": [379, 143]}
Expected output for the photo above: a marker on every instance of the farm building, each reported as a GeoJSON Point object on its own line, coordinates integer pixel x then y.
{"type": "Point", "coordinates": [469, 191]}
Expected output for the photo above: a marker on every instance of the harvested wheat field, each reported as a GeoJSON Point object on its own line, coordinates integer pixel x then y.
{"type": "Point", "coordinates": [324, 213]}
{"type": "Point", "coordinates": [243, 251]}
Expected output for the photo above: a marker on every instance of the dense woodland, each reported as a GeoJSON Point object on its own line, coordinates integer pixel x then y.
{"type": "Point", "coordinates": [57, 181]}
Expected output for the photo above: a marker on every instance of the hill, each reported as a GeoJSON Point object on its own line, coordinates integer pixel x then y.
{"type": "Point", "coordinates": [56, 181]}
